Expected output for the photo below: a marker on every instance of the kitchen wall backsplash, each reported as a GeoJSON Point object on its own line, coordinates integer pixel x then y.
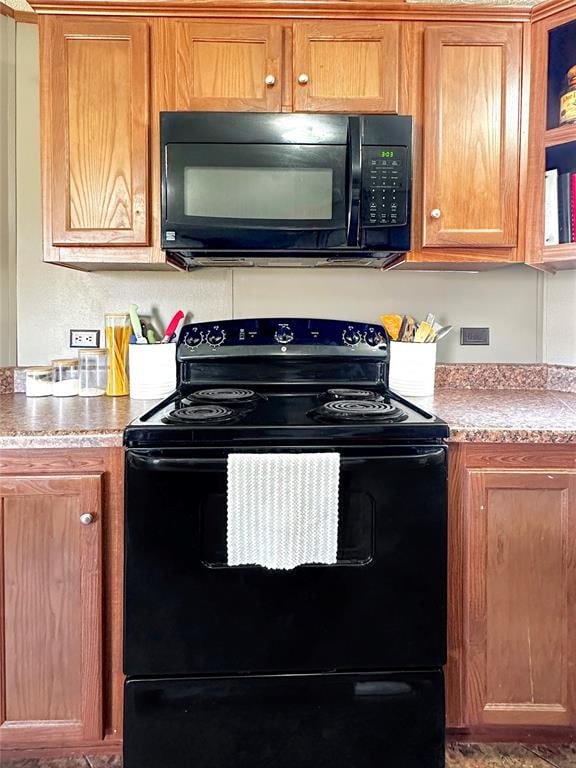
{"type": "Point", "coordinates": [505, 300]}
{"type": "Point", "coordinates": [559, 318]}
{"type": "Point", "coordinates": [497, 299]}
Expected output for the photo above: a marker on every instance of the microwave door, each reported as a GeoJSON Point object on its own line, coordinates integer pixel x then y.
{"type": "Point", "coordinates": [256, 197]}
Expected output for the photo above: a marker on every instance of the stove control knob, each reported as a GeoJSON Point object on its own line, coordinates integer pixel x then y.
{"type": "Point", "coordinates": [351, 336]}
{"type": "Point", "coordinates": [284, 334]}
{"type": "Point", "coordinates": [373, 337]}
{"type": "Point", "coordinates": [215, 337]}
{"type": "Point", "coordinates": [194, 338]}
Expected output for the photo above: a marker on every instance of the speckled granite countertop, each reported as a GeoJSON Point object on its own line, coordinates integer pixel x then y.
{"type": "Point", "coordinates": [63, 422]}
{"type": "Point", "coordinates": [504, 416]}
{"type": "Point", "coordinates": [519, 416]}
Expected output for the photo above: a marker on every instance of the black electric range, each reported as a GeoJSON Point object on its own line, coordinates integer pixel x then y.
{"type": "Point", "coordinates": [323, 665]}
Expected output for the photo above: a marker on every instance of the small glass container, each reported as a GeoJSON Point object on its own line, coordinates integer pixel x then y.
{"type": "Point", "coordinates": [93, 368]}
{"type": "Point", "coordinates": [117, 330]}
{"type": "Point", "coordinates": [38, 381]}
{"type": "Point", "coordinates": [65, 377]}
{"type": "Point", "coordinates": [568, 98]}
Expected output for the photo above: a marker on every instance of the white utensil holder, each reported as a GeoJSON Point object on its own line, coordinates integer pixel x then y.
{"type": "Point", "coordinates": [152, 370]}
{"type": "Point", "coordinates": [412, 368]}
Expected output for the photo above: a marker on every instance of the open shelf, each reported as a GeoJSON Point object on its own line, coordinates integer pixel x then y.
{"type": "Point", "coordinates": [559, 252]}
{"type": "Point", "coordinates": [562, 156]}
{"type": "Point", "coordinates": [561, 56]}
{"type": "Point", "coordinates": [562, 135]}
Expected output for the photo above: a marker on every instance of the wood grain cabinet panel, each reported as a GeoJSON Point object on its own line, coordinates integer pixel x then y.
{"type": "Point", "coordinates": [346, 66]}
{"type": "Point", "coordinates": [472, 78]}
{"type": "Point", "coordinates": [520, 553]}
{"type": "Point", "coordinates": [220, 66]}
{"type": "Point", "coordinates": [50, 579]}
{"type": "Point", "coordinates": [95, 126]}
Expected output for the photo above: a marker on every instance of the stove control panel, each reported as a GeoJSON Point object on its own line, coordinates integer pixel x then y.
{"type": "Point", "coordinates": [281, 336]}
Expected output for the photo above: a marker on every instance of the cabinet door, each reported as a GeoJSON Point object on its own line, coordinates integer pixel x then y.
{"type": "Point", "coordinates": [221, 66]}
{"type": "Point", "coordinates": [520, 595]}
{"type": "Point", "coordinates": [346, 66]}
{"type": "Point", "coordinates": [471, 135]}
{"type": "Point", "coordinates": [95, 131]}
{"type": "Point", "coordinates": [50, 587]}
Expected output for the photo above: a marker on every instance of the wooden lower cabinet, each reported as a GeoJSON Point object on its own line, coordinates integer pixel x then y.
{"type": "Point", "coordinates": [60, 676]}
{"type": "Point", "coordinates": [514, 521]}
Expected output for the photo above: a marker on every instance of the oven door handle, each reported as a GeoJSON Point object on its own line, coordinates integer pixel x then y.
{"type": "Point", "coordinates": [191, 463]}
{"type": "Point", "coordinates": [158, 464]}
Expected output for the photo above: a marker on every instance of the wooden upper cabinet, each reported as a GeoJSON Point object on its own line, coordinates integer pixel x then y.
{"type": "Point", "coordinates": [472, 78]}
{"type": "Point", "coordinates": [520, 590]}
{"type": "Point", "coordinates": [226, 66]}
{"type": "Point", "coordinates": [346, 66]}
{"type": "Point", "coordinates": [50, 588]}
{"type": "Point", "coordinates": [95, 131]}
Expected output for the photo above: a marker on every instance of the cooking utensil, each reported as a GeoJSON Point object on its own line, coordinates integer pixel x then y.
{"type": "Point", "coordinates": [423, 332]}
{"type": "Point", "coordinates": [409, 328]}
{"type": "Point", "coordinates": [176, 333]}
{"type": "Point", "coordinates": [172, 325]}
{"type": "Point", "coordinates": [136, 324]}
{"type": "Point", "coordinates": [393, 324]}
{"type": "Point", "coordinates": [442, 332]}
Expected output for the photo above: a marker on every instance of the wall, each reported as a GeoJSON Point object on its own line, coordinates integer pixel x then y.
{"type": "Point", "coordinates": [7, 192]}
{"type": "Point", "coordinates": [498, 298]}
{"type": "Point", "coordinates": [51, 297]}
{"type": "Point", "coordinates": [559, 320]}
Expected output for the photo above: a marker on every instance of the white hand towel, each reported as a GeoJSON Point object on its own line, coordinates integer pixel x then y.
{"type": "Point", "coordinates": [282, 509]}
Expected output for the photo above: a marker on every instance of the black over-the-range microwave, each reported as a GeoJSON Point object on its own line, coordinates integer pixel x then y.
{"type": "Point", "coordinates": [246, 189]}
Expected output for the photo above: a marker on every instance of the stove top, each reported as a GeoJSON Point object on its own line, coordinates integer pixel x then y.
{"type": "Point", "coordinates": [285, 415]}
{"type": "Point", "coordinates": [330, 387]}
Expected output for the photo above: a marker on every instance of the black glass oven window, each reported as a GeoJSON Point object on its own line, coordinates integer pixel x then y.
{"type": "Point", "coordinates": [258, 193]}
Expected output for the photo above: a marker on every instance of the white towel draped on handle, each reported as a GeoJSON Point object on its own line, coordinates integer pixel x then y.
{"type": "Point", "coordinates": [282, 509]}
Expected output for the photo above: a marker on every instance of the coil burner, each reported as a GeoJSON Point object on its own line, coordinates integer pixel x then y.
{"type": "Point", "coordinates": [345, 393]}
{"type": "Point", "coordinates": [359, 410]}
{"type": "Point", "coordinates": [221, 395]}
{"type": "Point", "coordinates": [200, 414]}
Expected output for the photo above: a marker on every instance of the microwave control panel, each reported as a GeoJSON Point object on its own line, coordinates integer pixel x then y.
{"type": "Point", "coordinates": [384, 186]}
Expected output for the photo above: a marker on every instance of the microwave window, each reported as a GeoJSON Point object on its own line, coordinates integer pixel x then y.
{"type": "Point", "coordinates": [258, 193]}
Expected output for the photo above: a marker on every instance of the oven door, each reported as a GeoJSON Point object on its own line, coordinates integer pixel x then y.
{"type": "Point", "coordinates": [383, 605]}
{"type": "Point", "coordinates": [254, 196]}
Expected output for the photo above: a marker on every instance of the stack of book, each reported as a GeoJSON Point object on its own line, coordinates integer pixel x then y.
{"type": "Point", "coordinates": [560, 207]}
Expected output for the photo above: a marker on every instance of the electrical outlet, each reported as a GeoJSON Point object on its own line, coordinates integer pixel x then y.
{"type": "Point", "coordinates": [475, 336]}
{"type": "Point", "coordinates": [85, 339]}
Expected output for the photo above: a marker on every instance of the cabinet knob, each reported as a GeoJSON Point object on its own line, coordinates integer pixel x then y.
{"type": "Point", "coordinates": [303, 78]}
{"type": "Point", "coordinates": [86, 518]}
{"type": "Point", "coordinates": [269, 79]}
{"type": "Point", "coordinates": [435, 213]}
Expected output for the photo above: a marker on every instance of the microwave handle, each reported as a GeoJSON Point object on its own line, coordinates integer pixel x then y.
{"type": "Point", "coordinates": [354, 160]}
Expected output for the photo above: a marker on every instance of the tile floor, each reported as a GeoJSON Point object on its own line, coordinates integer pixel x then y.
{"type": "Point", "coordinates": [457, 756]}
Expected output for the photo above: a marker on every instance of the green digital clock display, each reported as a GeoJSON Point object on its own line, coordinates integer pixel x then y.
{"type": "Point", "coordinates": [387, 153]}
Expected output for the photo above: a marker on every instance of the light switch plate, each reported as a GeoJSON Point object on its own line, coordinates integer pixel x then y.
{"type": "Point", "coordinates": [475, 336]}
